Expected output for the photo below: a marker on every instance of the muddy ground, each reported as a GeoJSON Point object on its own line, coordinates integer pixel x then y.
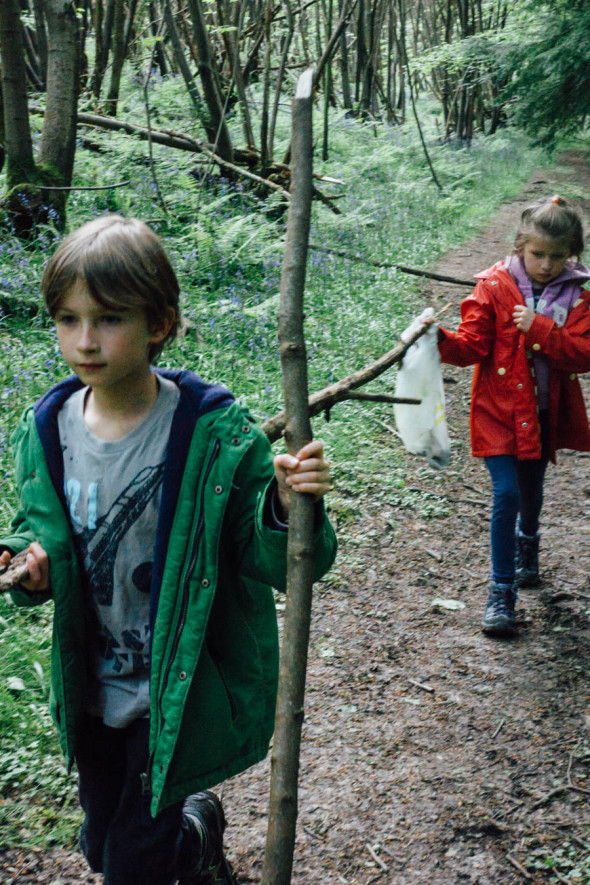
{"type": "Point", "coordinates": [430, 753]}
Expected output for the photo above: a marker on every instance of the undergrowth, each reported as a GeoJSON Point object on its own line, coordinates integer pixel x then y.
{"type": "Point", "coordinates": [226, 245]}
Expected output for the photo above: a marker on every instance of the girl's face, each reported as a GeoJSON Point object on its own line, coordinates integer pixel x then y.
{"type": "Point", "coordinates": [544, 258]}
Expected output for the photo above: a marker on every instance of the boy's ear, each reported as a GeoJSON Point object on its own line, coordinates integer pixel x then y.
{"type": "Point", "coordinates": [159, 328]}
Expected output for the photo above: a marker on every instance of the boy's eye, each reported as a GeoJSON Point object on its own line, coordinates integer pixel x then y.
{"type": "Point", "coordinates": [111, 319]}
{"type": "Point", "coordinates": [65, 319]}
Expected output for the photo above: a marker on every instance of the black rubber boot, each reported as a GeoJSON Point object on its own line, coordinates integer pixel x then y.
{"type": "Point", "coordinates": [499, 618]}
{"type": "Point", "coordinates": [527, 561]}
{"type": "Point", "coordinates": [205, 814]}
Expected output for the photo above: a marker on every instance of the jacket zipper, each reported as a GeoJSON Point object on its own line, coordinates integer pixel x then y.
{"type": "Point", "coordinates": [147, 776]}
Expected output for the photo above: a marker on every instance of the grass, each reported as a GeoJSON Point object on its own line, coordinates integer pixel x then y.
{"type": "Point", "coordinates": [226, 245]}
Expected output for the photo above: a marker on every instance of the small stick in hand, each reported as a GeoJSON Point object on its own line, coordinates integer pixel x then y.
{"type": "Point", "coordinates": [14, 572]}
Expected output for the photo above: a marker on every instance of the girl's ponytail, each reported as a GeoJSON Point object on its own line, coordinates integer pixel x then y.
{"type": "Point", "coordinates": [552, 217]}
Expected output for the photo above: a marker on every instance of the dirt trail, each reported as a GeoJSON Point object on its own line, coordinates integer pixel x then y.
{"type": "Point", "coordinates": [432, 754]}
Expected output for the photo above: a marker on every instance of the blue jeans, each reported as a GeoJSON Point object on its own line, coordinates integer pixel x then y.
{"type": "Point", "coordinates": [517, 489]}
{"type": "Point", "coordinates": [119, 836]}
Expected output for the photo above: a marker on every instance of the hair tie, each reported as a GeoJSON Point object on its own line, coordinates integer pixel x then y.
{"type": "Point", "coordinates": [556, 199]}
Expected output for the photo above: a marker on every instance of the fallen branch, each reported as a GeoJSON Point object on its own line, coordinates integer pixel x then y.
{"type": "Point", "coordinates": [325, 399]}
{"type": "Point", "coordinates": [93, 187]}
{"type": "Point", "coordinates": [170, 139]}
{"type": "Point", "coordinates": [384, 398]}
{"type": "Point", "coordinates": [414, 271]}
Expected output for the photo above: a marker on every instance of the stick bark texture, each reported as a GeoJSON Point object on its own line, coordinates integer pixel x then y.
{"type": "Point", "coordinates": [280, 841]}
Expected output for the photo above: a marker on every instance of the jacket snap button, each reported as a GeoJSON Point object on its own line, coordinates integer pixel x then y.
{"type": "Point", "coordinates": [493, 282]}
{"type": "Point", "coordinates": [536, 347]}
{"type": "Point", "coordinates": [246, 428]}
{"type": "Point", "coordinates": [573, 376]}
{"type": "Point", "coordinates": [182, 675]}
{"type": "Point", "coordinates": [519, 386]}
{"type": "Point", "coordinates": [205, 582]}
{"type": "Point", "coordinates": [501, 371]}
{"type": "Point", "coordinates": [218, 490]}
{"type": "Point", "coordinates": [525, 425]}
{"type": "Point", "coordinates": [235, 441]}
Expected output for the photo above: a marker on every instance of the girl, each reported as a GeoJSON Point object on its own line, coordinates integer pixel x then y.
{"type": "Point", "coordinates": [526, 327]}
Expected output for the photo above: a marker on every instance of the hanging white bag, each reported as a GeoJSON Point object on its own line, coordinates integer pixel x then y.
{"type": "Point", "coordinates": [423, 428]}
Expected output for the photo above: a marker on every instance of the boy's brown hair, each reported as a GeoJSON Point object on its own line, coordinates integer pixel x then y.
{"type": "Point", "coordinates": [551, 217]}
{"type": "Point", "coordinates": [123, 264]}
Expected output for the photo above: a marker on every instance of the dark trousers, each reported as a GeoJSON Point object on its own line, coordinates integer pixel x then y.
{"type": "Point", "coordinates": [517, 490]}
{"type": "Point", "coordinates": [119, 836]}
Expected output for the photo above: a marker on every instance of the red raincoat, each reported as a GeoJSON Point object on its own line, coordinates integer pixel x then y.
{"type": "Point", "coordinates": [504, 416]}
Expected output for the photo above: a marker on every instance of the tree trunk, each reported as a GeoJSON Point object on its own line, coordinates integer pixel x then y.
{"type": "Point", "coordinates": [183, 65]}
{"type": "Point", "coordinates": [41, 38]}
{"type": "Point", "coordinates": [58, 139]}
{"type": "Point", "coordinates": [278, 859]}
{"type": "Point", "coordinates": [217, 131]}
{"type": "Point", "coordinates": [98, 74]}
{"type": "Point", "coordinates": [118, 57]}
{"type": "Point", "coordinates": [20, 163]}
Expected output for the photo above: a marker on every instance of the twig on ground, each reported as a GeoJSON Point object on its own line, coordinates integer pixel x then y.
{"type": "Point", "coordinates": [518, 866]}
{"type": "Point", "coordinates": [499, 729]}
{"type": "Point", "coordinates": [376, 858]}
{"type": "Point", "coordinates": [423, 685]}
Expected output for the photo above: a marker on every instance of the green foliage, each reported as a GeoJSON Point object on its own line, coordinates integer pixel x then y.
{"type": "Point", "coordinates": [546, 66]}
{"type": "Point", "coordinates": [226, 245]}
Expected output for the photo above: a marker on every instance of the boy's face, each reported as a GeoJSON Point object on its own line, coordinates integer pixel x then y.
{"type": "Point", "coordinates": [106, 348]}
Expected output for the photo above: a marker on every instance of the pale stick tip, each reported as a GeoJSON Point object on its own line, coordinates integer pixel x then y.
{"type": "Point", "coordinates": [305, 84]}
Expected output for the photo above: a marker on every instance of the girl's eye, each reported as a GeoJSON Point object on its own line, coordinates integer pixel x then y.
{"type": "Point", "coordinates": [112, 319]}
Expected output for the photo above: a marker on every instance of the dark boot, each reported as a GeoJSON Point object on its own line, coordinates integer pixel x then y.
{"type": "Point", "coordinates": [527, 561]}
{"type": "Point", "coordinates": [499, 618]}
{"type": "Point", "coordinates": [204, 813]}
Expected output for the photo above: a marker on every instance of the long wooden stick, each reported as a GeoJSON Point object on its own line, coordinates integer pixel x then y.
{"type": "Point", "coordinates": [280, 839]}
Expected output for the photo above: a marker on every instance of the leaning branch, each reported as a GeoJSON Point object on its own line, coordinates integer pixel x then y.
{"type": "Point", "coordinates": [414, 271]}
{"type": "Point", "coordinates": [171, 139]}
{"type": "Point", "coordinates": [323, 400]}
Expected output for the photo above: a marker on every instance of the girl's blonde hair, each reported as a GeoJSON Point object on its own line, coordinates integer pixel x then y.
{"type": "Point", "coordinates": [551, 217]}
{"type": "Point", "coordinates": [123, 264]}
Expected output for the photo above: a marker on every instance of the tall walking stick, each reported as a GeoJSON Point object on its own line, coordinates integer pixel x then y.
{"type": "Point", "coordinates": [280, 839]}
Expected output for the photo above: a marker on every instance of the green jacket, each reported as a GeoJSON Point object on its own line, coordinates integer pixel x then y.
{"type": "Point", "coordinates": [214, 655]}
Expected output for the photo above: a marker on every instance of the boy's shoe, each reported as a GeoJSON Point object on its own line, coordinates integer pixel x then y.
{"type": "Point", "coordinates": [205, 813]}
{"type": "Point", "coordinates": [499, 618]}
{"type": "Point", "coordinates": [527, 561]}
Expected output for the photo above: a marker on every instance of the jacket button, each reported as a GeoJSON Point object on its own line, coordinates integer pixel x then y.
{"type": "Point", "coordinates": [536, 347]}
{"type": "Point", "coordinates": [235, 441]}
{"type": "Point", "coordinates": [218, 490]}
{"type": "Point", "coordinates": [501, 371]}
{"type": "Point", "coordinates": [205, 582]}
{"type": "Point", "coordinates": [519, 386]}
{"type": "Point", "coordinates": [524, 425]}
{"type": "Point", "coordinates": [246, 428]}
{"type": "Point", "coordinates": [33, 475]}
{"type": "Point", "coordinates": [493, 282]}
{"type": "Point", "coordinates": [573, 376]}
{"type": "Point", "coordinates": [182, 675]}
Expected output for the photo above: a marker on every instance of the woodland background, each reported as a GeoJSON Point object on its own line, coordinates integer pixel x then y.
{"type": "Point", "coordinates": [428, 114]}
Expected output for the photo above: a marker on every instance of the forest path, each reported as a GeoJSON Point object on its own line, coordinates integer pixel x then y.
{"type": "Point", "coordinates": [430, 753]}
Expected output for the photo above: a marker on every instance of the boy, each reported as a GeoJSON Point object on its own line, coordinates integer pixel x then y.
{"type": "Point", "coordinates": [153, 517]}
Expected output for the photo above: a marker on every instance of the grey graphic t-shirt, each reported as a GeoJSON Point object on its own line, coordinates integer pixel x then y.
{"type": "Point", "coordinates": [113, 490]}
